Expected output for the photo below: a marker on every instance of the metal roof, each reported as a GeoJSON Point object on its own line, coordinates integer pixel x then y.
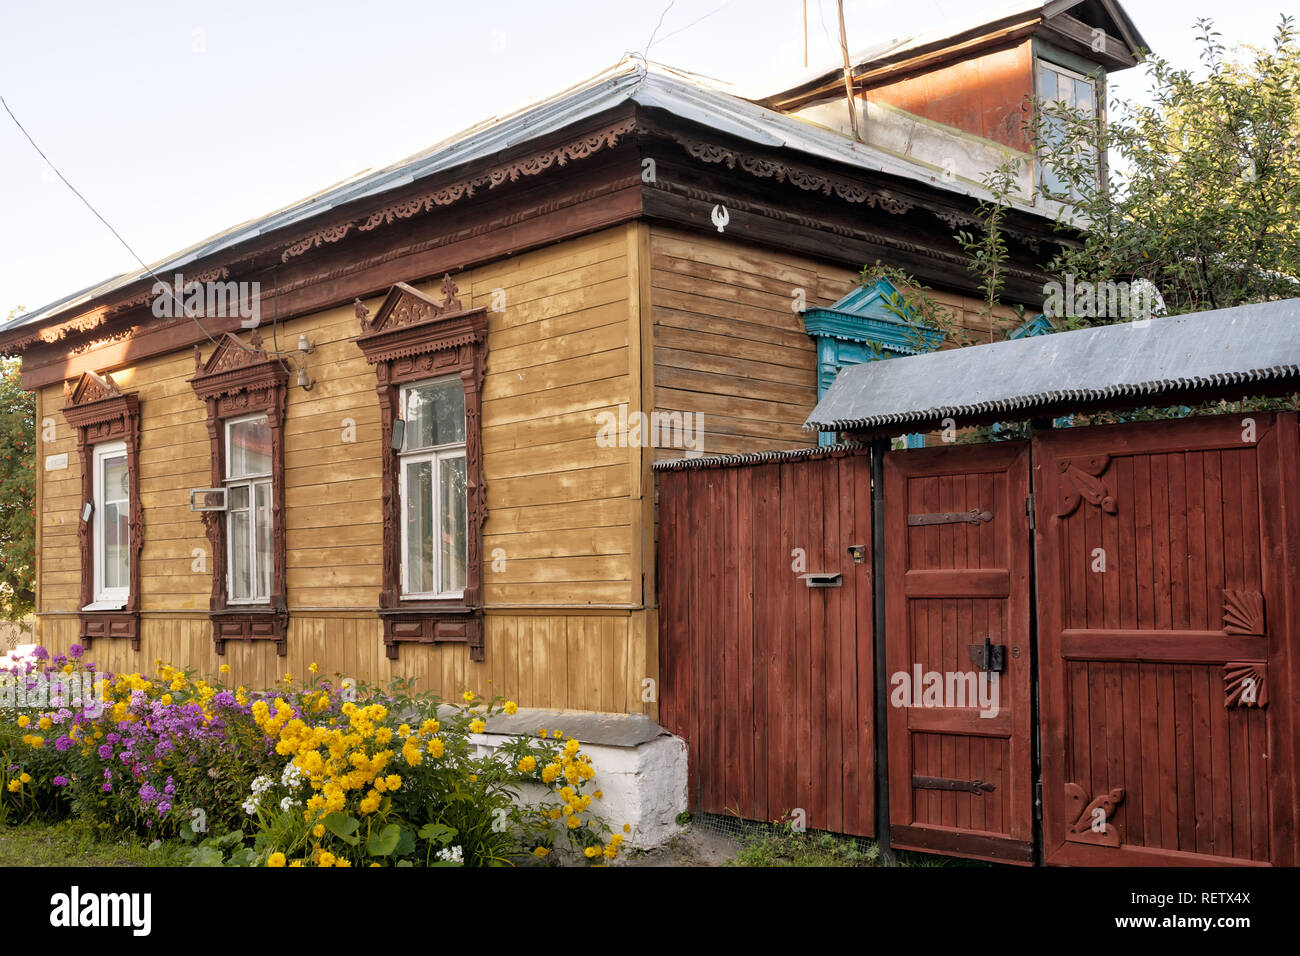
{"type": "Point", "coordinates": [688, 96]}
{"type": "Point", "coordinates": [1134, 363]}
{"type": "Point", "coordinates": [809, 453]}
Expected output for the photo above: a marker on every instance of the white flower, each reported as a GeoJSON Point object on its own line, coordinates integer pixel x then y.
{"type": "Point", "coordinates": [250, 806]}
{"type": "Point", "coordinates": [288, 803]}
{"type": "Point", "coordinates": [291, 777]}
{"type": "Point", "coordinates": [260, 785]}
{"type": "Point", "coordinates": [451, 855]}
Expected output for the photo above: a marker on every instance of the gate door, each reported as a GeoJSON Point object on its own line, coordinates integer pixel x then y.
{"type": "Point", "coordinates": [1162, 605]}
{"type": "Point", "coordinates": [958, 651]}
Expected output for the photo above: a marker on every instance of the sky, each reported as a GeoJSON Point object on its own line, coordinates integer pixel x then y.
{"type": "Point", "coordinates": [179, 118]}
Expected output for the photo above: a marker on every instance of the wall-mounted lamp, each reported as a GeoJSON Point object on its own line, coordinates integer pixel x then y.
{"type": "Point", "coordinates": [304, 349]}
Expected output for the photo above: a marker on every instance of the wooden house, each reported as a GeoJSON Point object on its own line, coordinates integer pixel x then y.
{"type": "Point", "coordinates": [397, 467]}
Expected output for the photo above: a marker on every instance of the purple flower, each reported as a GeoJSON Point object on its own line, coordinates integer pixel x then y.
{"type": "Point", "coordinates": [105, 752]}
{"type": "Point", "coordinates": [148, 794]}
{"type": "Point", "coordinates": [41, 654]}
{"type": "Point", "coordinates": [107, 788]}
{"type": "Point", "coordinates": [75, 651]}
{"type": "Point", "coordinates": [63, 743]}
{"type": "Point", "coordinates": [60, 781]}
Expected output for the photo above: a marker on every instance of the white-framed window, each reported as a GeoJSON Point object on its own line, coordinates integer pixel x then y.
{"type": "Point", "coordinates": [432, 485]}
{"type": "Point", "coordinates": [1057, 86]}
{"type": "Point", "coordinates": [111, 532]}
{"type": "Point", "coordinates": [249, 514]}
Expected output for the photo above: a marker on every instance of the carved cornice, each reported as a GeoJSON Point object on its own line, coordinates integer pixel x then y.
{"type": "Point", "coordinates": [530, 165]}
{"type": "Point", "coordinates": [234, 367]}
{"type": "Point", "coordinates": [410, 323]}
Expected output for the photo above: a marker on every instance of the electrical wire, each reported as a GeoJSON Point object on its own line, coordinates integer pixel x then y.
{"type": "Point", "coordinates": [126, 245]}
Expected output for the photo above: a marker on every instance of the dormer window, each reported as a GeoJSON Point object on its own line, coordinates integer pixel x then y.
{"type": "Point", "coordinates": [1060, 89]}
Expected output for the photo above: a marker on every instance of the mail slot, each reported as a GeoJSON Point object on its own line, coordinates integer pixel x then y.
{"type": "Point", "coordinates": [823, 579]}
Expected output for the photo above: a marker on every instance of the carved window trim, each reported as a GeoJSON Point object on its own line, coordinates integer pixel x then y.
{"type": "Point", "coordinates": [99, 412]}
{"type": "Point", "coordinates": [413, 338]}
{"type": "Point", "coordinates": [235, 381]}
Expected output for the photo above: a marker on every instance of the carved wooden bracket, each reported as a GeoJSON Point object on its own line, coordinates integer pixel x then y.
{"type": "Point", "coordinates": [98, 411]}
{"type": "Point", "coordinates": [239, 379]}
{"type": "Point", "coordinates": [1243, 612]}
{"type": "Point", "coordinates": [413, 337]}
{"type": "Point", "coordinates": [1245, 684]}
{"type": "Point", "coordinates": [1083, 476]}
{"type": "Point", "coordinates": [1092, 823]}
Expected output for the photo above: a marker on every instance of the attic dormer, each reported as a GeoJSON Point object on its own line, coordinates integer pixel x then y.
{"type": "Point", "coordinates": [957, 99]}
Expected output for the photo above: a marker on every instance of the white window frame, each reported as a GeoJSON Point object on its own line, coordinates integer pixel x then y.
{"type": "Point", "coordinates": [436, 455]}
{"type": "Point", "coordinates": [107, 599]}
{"type": "Point", "coordinates": [251, 482]}
{"type": "Point", "coordinates": [1092, 81]}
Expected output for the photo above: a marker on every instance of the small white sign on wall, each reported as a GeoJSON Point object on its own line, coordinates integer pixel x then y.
{"type": "Point", "coordinates": [55, 462]}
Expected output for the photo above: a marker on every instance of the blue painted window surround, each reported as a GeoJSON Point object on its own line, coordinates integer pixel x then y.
{"type": "Point", "coordinates": [842, 333]}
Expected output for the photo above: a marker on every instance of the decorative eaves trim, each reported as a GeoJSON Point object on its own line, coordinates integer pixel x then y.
{"type": "Point", "coordinates": [530, 165]}
{"type": "Point", "coordinates": [763, 457]}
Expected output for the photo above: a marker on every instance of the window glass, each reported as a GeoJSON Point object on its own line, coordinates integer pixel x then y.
{"type": "Point", "coordinates": [435, 414]}
{"type": "Point", "coordinates": [111, 534]}
{"type": "Point", "coordinates": [240, 535]}
{"type": "Point", "coordinates": [451, 505]}
{"type": "Point", "coordinates": [262, 526]}
{"type": "Point", "coordinates": [418, 494]}
{"type": "Point", "coordinates": [249, 451]}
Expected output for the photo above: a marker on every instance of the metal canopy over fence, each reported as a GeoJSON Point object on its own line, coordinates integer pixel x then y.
{"type": "Point", "coordinates": [1206, 355]}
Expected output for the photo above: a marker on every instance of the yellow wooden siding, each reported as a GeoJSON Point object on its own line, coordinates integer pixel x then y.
{"type": "Point", "coordinates": [730, 345]}
{"type": "Point", "coordinates": [560, 507]}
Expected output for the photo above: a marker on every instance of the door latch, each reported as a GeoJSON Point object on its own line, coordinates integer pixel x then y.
{"type": "Point", "coordinates": [988, 656]}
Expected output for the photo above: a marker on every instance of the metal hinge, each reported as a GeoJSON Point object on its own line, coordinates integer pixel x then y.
{"type": "Point", "coordinates": [1029, 509]}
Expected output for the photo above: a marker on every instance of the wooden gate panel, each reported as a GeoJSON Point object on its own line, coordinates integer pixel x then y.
{"type": "Point", "coordinates": [767, 679]}
{"type": "Point", "coordinates": [1153, 559]}
{"type": "Point", "coordinates": [957, 572]}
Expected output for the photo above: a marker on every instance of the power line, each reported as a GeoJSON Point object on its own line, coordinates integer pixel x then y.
{"type": "Point", "coordinates": [651, 41]}
{"type": "Point", "coordinates": [126, 245]}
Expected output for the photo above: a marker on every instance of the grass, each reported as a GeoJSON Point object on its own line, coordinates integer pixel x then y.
{"type": "Point", "coordinates": [74, 844]}
{"type": "Point", "coordinates": [783, 847]}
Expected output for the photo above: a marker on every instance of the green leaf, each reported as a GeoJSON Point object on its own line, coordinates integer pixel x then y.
{"type": "Point", "coordinates": [341, 825]}
{"type": "Point", "coordinates": [405, 843]}
{"type": "Point", "coordinates": [437, 833]}
{"type": "Point", "coordinates": [385, 841]}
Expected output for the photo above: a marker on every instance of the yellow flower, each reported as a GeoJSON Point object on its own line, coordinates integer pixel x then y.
{"type": "Point", "coordinates": [25, 777]}
{"type": "Point", "coordinates": [224, 668]}
{"type": "Point", "coordinates": [573, 822]}
{"type": "Point", "coordinates": [343, 862]}
{"type": "Point", "coordinates": [557, 735]}
{"type": "Point", "coordinates": [541, 851]}
{"type": "Point", "coordinates": [436, 747]}
{"type": "Point", "coordinates": [599, 795]}
{"type": "Point", "coordinates": [314, 667]}
{"type": "Point", "coordinates": [44, 723]}
{"type": "Point", "coordinates": [167, 699]}
{"type": "Point", "coordinates": [550, 772]}
{"type": "Point", "coordinates": [24, 720]}
{"type": "Point", "coordinates": [14, 786]}
{"type": "Point", "coordinates": [393, 781]}
{"type": "Point", "coordinates": [541, 732]}
{"type": "Point", "coordinates": [318, 830]}
{"type": "Point", "coordinates": [528, 764]}
{"type": "Point", "coordinates": [275, 859]}
{"type": "Point", "coordinates": [627, 828]}
{"type": "Point", "coordinates": [295, 863]}
{"type": "Point", "coordinates": [468, 697]}
{"type": "Point", "coordinates": [67, 668]}
{"type": "Point", "coordinates": [590, 852]}
{"type": "Point", "coordinates": [511, 707]}
{"type": "Point", "coordinates": [476, 726]}
{"type": "Point", "coordinates": [326, 858]}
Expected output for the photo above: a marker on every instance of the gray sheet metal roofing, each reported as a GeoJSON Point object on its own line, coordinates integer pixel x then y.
{"type": "Point", "coordinates": [1243, 345]}
{"type": "Point", "coordinates": [690, 97]}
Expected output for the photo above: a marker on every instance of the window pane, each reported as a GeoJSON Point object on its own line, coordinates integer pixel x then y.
{"type": "Point", "coordinates": [451, 504]}
{"type": "Point", "coordinates": [250, 448]}
{"type": "Point", "coordinates": [262, 524]}
{"type": "Point", "coordinates": [114, 483]}
{"type": "Point", "coordinates": [418, 495]}
{"type": "Point", "coordinates": [435, 414]}
{"type": "Point", "coordinates": [1083, 96]}
{"type": "Point", "coordinates": [240, 572]}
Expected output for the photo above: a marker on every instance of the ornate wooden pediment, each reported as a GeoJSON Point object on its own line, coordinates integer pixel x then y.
{"type": "Point", "coordinates": [235, 367]}
{"type": "Point", "coordinates": [409, 322]}
{"type": "Point", "coordinates": [91, 387]}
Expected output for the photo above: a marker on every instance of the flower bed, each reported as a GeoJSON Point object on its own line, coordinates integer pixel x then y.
{"type": "Point", "coordinates": [316, 772]}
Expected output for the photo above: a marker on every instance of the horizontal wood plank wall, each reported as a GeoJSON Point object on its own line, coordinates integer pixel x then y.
{"type": "Point", "coordinates": [729, 345]}
{"type": "Point", "coordinates": [560, 563]}
{"type": "Point", "coordinates": [768, 680]}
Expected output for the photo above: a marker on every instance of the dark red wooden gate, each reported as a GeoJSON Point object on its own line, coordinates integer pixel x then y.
{"type": "Point", "coordinates": [768, 679]}
{"type": "Point", "coordinates": [956, 576]}
{"type": "Point", "coordinates": [1166, 641]}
